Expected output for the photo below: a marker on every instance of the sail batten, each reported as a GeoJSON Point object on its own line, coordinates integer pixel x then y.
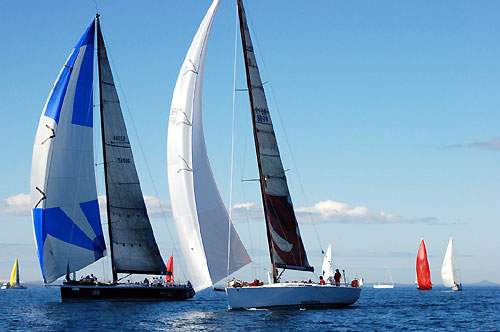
{"type": "Point", "coordinates": [132, 242]}
{"type": "Point", "coordinates": [285, 243]}
{"type": "Point", "coordinates": [200, 217]}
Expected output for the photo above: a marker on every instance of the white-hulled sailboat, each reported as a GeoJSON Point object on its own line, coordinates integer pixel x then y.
{"type": "Point", "coordinates": [14, 282]}
{"type": "Point", "coordinates": [200, 216]}
{"type": "Point", "coordinates": [448, 271]}
{"type": "Point", "coordinates": [66, 216]}
{"type": "Point", "coordinates": [385, 285]}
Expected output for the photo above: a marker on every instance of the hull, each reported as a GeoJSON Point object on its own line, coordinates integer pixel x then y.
{"type": "Point", "coordinates": [457, 287]}
{"type": "Point", "coordinates": [293, 295]}
{"type": "Point", "coordinates": [381, 286]}
{"type": "Point", "coordinates": [125, 292]}
{"type": "Point", "coordinates": [19, 287]}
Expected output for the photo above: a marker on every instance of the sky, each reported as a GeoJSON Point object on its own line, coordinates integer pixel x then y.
{"type": "Point", "coordinates": [386, 114]}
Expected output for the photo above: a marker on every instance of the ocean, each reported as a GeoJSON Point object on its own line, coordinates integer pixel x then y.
{"type": "Point", "coordinates": [398, 309]}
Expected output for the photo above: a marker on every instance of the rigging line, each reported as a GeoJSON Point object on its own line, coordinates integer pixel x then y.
{"type": "Point", "coordinates": [232, 148]}
{"type": "Point", "coordinates": [95, 2]}
{"type": "Point", "coordinates": [287, 140]}
{"type": "Point", "coordinates": [115, 75]}
{"type": "Point", "coordinates": [98, 153]}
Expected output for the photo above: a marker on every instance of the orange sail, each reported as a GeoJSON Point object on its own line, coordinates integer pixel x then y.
{"type": "Point", "coordinates": [423, 272]}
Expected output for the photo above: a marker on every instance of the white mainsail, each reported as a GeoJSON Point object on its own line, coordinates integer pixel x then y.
{"type": "Point", "coordinates": [65, 211]}
{"type": "Point", "coordinates": [200, 216]}
{"type": "Point", "coordinates": [448, 273]}
{"type": "Point", "coordinates": [327, 267]}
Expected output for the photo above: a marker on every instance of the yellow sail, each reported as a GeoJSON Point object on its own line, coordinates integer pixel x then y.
{"type": "Point", "coordinates": [13, 274]}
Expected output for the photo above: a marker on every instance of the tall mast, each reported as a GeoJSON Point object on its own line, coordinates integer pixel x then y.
{"type": "Point", "coordinates": [254, 125]}
{"type": "Point", "coordinates": [285, 243]}
{"type": "Point", "coordinates": [101, 108]}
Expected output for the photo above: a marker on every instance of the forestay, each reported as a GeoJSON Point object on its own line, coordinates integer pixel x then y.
{"type": "Point", "coordinates": [65, 211]}
{"type": "Point", "coordinates": [200, 216]}
{"type": "Point", "coordinates": [285, 242]}
{"type": "Point", "coordinates": [133, 245]}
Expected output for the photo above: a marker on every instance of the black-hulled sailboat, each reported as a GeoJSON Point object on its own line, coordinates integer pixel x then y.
{"type": "Point", "coordinates": [196, 202]}
{"type": "Point", "coordinates": [66, 216]}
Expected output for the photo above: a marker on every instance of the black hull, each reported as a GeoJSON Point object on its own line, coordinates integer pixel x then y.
{"type": "Point", "coordinates": [77, 293]}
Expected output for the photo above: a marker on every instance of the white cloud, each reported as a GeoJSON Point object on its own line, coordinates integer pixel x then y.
{"type": "Point", "coordinates": [329, 211]}
{"type": "Point", "coordinates": [18, 205]}
{"type": "Point", "coordinates": [493, 144]}
{"type": "Point", "coordinates": [247, 211]}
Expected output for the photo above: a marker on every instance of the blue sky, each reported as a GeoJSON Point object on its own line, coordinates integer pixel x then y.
{"type": "Point", "coordinates": [391, 110]}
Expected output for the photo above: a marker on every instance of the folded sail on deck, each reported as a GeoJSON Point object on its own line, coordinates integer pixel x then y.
{"type": "Point", "coordinates": [65, 211]}
{"type": "Point", "coordinates": [285, 242]}
{"type": "Point", "coordinates": [200, 216]}
{"type": "Point", "coordinates": [133, 245]}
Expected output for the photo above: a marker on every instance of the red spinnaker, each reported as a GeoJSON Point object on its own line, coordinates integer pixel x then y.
{"type": "Point", "coordinates": [423, 271]}
{"type": "Point", "coordinates": [169, 278]}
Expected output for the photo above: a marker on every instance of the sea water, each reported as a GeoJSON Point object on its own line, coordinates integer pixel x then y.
{"type": "Point", "coordinates": [398, 309]}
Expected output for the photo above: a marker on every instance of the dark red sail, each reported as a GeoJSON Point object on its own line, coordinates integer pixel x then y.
{"type": "Point", "coordinates": [285, 243]}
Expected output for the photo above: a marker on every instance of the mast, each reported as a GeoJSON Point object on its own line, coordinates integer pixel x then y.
{"type": "Point", "coordinates": [256, 141]}
{"type": "Point", "coordinates": [103, 138]}
{"type": "Point", "coordinates": [285, 243]}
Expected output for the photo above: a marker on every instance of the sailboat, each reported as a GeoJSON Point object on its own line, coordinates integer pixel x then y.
{"type": "Point", "coordinates": [66, 218]}
{"type": "Point", "coordinates": [204, 228]}
{"type": "Point", "coordinates": [327, 268]}
{"type": "Point", "coordinates": [423, 271]}
{"type": "Point", "coordinates": [14, 282]}
{"type": "Point", "coordinates": [448, 271]}
{"type": "Point", "coordinates": [385, 286]}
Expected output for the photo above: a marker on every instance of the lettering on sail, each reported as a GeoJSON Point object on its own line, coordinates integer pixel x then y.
{"type": "Point", "coordinates": [124, 160]}
{"type": "Point", "coordinates": [262, 116]}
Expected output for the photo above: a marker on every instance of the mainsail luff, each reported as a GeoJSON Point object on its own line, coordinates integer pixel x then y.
{"type": "Point", "coordinates": [132, 242]}
{"type": "Point", "coordinates": [200, 217]}
{"type": "Point", "coordinates": [285, 244]}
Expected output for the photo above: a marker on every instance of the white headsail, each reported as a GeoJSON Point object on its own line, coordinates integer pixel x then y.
{"type": "Point", "coordinates": [200, 216]}
{"type": "Point", "coordinates": [448, 273]}
{"type": "Point", "coordinates": [327, 268]}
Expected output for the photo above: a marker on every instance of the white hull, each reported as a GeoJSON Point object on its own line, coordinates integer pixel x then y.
{"type": "Point", "coordinates": [457, 287]}
{"type": "Point", "coordinates": [293, 295]}
{"type": "Point", "coordinates": [381, 286]}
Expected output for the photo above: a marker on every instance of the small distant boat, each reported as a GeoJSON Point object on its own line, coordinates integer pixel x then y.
{"type": "Point", "coordinates": [14, 282]}
{"type": "Point", "coordinates": [382, 286]}
{"type": "Point", "coordinates": [423, 271]}
{"type": "Point", "coordinates": [448, 271]}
